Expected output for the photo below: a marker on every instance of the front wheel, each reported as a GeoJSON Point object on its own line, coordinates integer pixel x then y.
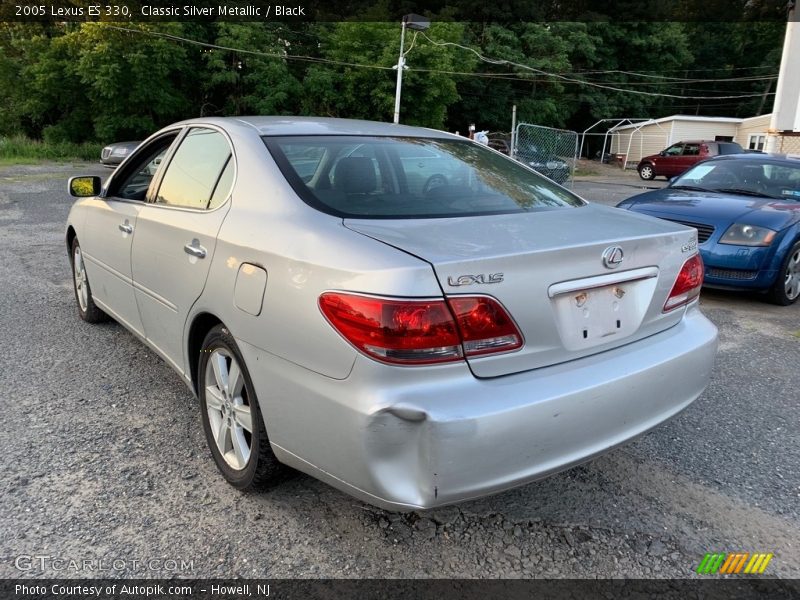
{"type": "Point", "coordinates": [232, 421]}
{"type": "Point", "coordinates": [87, 309]}
{"type": "Point", "coordinates": [786, 289]}
{"type": "Point", "coordinates": [647, 172]}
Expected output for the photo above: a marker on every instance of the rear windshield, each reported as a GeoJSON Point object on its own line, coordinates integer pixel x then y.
{"type": "Point", "coordinates": [394, 177]}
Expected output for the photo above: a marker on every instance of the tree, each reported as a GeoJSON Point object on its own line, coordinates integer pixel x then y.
{"type": "Point", "coordinates": [249, 83]}
{"type": "Point", "coordinates": [368, 93]}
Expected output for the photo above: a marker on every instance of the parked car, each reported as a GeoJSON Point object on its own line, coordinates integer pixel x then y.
{"type": "Point", "coordinates": [500, 144]}
{"type": "Point", "coordinates": [746, 209]}
{"type": "Point", "coordinates": [113, 154]}
{"type": "Point", "coordinates": [411, 347]}
{"type": "Point", "coordinates": [546, 163]}
{"type": "Point", "coordinates": [679, 157]}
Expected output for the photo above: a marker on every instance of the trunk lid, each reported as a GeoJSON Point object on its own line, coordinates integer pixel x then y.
{"type": "Point", "coordinates": [547, 269]}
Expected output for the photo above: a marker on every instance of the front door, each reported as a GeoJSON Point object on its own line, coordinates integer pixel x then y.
{"type": "Point", "coordinates": [176, 234]}
{"type": "Point", "coordinates": [110, 229]}
{"type": "Point", "coordinates": [669, 165]}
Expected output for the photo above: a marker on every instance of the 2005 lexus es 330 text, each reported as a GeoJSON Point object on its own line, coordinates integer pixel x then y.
{"type": "Point", "coordinates": [405, 314]}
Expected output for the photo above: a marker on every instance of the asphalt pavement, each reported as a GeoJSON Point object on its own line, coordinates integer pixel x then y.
{"type": "Point", "coordinates": [104, 456]}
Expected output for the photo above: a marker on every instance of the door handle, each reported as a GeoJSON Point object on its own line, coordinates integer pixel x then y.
{"type": "Point", "coordinates": [126, 227]}
{"type": "Point", "coordinates": [195, 249]}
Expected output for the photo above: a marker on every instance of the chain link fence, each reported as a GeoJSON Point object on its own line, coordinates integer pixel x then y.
{"type": "Point", "coordinates": [787, 144]}
{"type": "Point", "coordinates": [549, 151]}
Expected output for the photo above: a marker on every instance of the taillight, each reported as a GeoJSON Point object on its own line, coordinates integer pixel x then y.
{"type": "Point", "coordinates": [484, 325]}
{"type": "Point", "coordinates": [687, 285]}
{"type": "Point", "coordinates": [420, 331]}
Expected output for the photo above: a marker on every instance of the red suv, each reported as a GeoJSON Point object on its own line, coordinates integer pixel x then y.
{"type": "Point", "coordinates": [679, 157]}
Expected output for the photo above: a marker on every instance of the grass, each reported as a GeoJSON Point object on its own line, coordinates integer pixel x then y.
{"type": "Point", "coordinates": [585, 171]}
{"type": "Point", "coordinates": [19, 150]}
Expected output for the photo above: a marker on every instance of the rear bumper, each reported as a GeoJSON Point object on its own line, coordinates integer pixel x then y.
{"type": "Point", "coordinates": [406, 438]}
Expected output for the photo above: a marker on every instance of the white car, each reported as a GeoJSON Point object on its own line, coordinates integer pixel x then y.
{"type": "Point", "coordinates": [411, 345]}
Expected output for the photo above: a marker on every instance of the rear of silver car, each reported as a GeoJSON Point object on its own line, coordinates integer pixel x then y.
{"type": "Point", "coordinates": [440, 435]}
{"type": "Point", "coordinates": [608, 348]}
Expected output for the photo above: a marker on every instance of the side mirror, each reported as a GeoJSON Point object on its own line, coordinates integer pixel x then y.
{"type": "Point", "coordinates": [85, 186]}
{"type": "Point", "coordinates": [662, 153]}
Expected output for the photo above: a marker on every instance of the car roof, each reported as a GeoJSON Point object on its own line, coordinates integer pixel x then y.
{"type": "Point", "coordinates": [277, 125]}
{"type": "Point", "coordinates": [705, 142]}
{"type": "Point", "coordinates": [759, 157]}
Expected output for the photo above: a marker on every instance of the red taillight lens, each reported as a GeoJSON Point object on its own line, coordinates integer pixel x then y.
{"type": "Point", "coordinates": [397, 331]}
{"type": "Point", "coordinates": [687, 285]}
{"type": "Point", "coordinates": [420, 331]}
{"type": "Point", "coordinates": [484, 325]}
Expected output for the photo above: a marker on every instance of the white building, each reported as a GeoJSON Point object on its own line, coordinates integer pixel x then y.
{"type": "Point", "coordinates": [641, 139]}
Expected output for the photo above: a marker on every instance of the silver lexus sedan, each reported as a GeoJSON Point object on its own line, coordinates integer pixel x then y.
{"type": "Point", "coordinates": [405, 314]}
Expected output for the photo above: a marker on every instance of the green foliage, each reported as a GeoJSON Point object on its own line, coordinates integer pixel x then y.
{"type": "Point", "coordinates": [81, 82]}
{"type": "Point", "coordinates": [22, 149]}
{"type": "Point", "coordinates": [242, 83]}
{"type": "Point", "coordinates": [368, 93]}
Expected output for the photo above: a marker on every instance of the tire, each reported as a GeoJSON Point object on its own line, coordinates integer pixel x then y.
{"type": "Point", "coordinates": [243, 457]}
{"type": "Point", "coordinates": [647, 172]}
{"type": "Point", "coordinates": [786, 289]}
{"type": "Point", "coordinates": [87, 309]}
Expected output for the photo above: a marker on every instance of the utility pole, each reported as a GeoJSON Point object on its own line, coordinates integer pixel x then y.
{"type": "Point", "coordinates": [416, 23]}
{"type": "Point", "coordinates": [513, 148]}
{"type": "Point", "coordinates": [401, 63]}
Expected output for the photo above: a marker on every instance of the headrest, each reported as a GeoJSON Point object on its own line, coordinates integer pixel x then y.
{"type": "Point", "coordinates": [355, 175]}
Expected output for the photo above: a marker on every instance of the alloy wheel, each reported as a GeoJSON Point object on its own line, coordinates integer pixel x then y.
{"type": "Point", "coordinates": [228, 408]}
{"type": "Point", "coordinates": [792, 276]}
{"type": "Point", "coordinates": [81, 282]}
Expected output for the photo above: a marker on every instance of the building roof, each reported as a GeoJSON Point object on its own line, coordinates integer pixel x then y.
{"type": "Point", "coordinates": [678, 118]}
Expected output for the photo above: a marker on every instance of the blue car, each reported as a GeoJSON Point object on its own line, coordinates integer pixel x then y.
{"type": "Point", "coordinates": [746, 209]}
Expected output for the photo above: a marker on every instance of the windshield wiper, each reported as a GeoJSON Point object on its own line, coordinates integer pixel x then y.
{"type": "Point", "coordinates": [744, 192]}
{"type": "Point", "coordinates": [693, 188]}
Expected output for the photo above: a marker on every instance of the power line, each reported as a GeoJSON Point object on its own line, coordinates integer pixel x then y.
{"type": "Point", "coordinates": [283, 56]}
{"type": "Point", "coordinates": [501, 61]}
{"type": "Point", "coordinates": [286, 56]}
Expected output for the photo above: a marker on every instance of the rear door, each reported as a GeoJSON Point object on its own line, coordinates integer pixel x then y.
{"type": "Point", "coordinates": [689, 157]}
{"type": "Point", "coordinates": [176, 235]}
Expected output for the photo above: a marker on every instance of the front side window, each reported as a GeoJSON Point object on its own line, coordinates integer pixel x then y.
{"type": "Point", "coordinates": [691, 149]}
{"type": "Point", "coordinates": [393, 177]}
{"type": "Point", "coordinates": [674, 150]}
{"type": "Point", "coordinates": [195, 169]}
{"type": "Point", "coordinates": [141, 169]}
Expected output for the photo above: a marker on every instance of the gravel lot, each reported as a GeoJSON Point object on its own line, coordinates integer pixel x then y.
{"type": "Point", "coordinates": [106, 459]}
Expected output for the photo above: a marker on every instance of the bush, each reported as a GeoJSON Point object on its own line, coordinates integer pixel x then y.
{"type": "Point", "coordinates": [23, 148]}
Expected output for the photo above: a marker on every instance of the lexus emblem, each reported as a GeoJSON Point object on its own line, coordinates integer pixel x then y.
{"type": "Point", "coordinates": [612, 257]}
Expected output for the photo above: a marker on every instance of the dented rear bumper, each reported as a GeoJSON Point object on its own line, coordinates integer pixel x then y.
{"type": "Point", "coordinates": [410, 438]}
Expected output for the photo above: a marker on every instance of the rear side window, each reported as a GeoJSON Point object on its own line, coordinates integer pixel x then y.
{"type": "Point", "coordinates": [691, 149]}
{"type": "Point", "coordinates": [195, 170]}
{"type": "Point", "coordinates": [394, 177]}
{"type": "Point", "coordinates": [730, 148]}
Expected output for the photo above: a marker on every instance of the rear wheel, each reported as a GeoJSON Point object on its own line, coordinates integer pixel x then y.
{"type": "Point", "coordinates": [87, 309]}
{"type": "Point", "coordinates": [232, 421]}
{"type": "Point", "coordinates": [786, 289]}
{"type": "Point", "coordinates": [647, 172]}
